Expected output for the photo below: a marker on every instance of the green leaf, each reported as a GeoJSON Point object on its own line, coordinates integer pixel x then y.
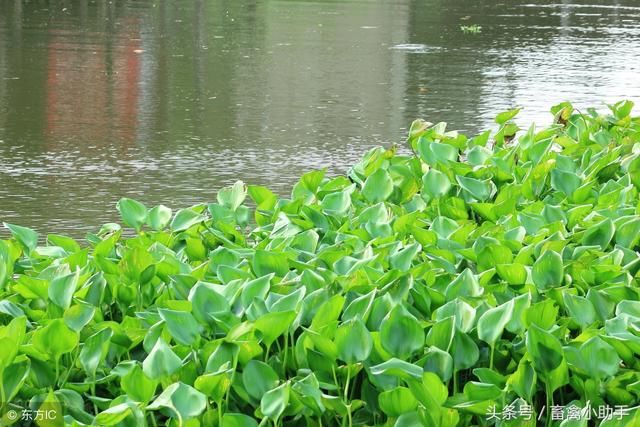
{"type": "Point", "coordinates": [493, 321]}
{"type": "Point", "coordinates": [337, 203]}
{"type": "Point", "coordinates": [159, 217]}
{"type": "Point", "coordinates": [402, 259]}
{"type": "Point", "coordinates": [580, 309]}
{"type": "Point", "coordinates": [378, 186]}
{"type": "Point", "coordinates": [599, 234]}
{"type": "Point", "coordinates": [565, 181]}
{"type": "Point", "coordinates": [207, 304]}
{"type": "Point", "coordinates": [441, 333]}
{"type": "Point", "coordinates": [272, 325]}
{"type": "Point", "coordinates": [257, 288]}
{"type": "Point", "coordinates": [547, 357]}
{"type": "Point", "coordinates": [547, 271]}
{"type": "Point", "coordinates": [138, 386]}
{"type": "Point", "coordinates": [275, 401]}
{"type": "Point", "coordinates": [13, 377]}
{"type": "Point", "coordinates": [463, 313]}
{"type": "Point", "coordinates": [238, 420]}
{"type": "Point", "coordinates": [182, 326]}
{"type": "Point", "coordinates": [523, 380]}
{"type": "Point", "coordinates": [79, 315]}
{"type": "Point", "coordinates": [439, 362]}
{"type": "Point", "coordinates": [353, 341]}
{"type": "Point", "coordinates": [233, 196]}
{"type": "Point", "coordinates": [601, 359]}
{"type": "Point", "coordinates": [214, 385]}
{"type": "Point", "coordinates": [513, 274]}
{"type": "Point", "coordinates": [55, 339]}
{"type": "Point", "coordinates": [435, 183]}
{"type": "Point", "coordinates": [94, 351]}
{"type": "Point", "coordinates": [464, 351]}
{"type": "Point", "coordinates": [25, 236]}
{"type": "Point", "coordinates": [114, 415]}
{"type": "Point", "coordinates": [161, 361]}
{"type": "Point", "coordinates": [258, 378]}
{"type": "Point", "coordinates": [133, 213]}
{"type": "Point", "coordinates": [397, 368]}
{"type": "Point", "coordinates": [185, 219]}
{"type": "Point", "coordinates": [266, 262]}
{"type": "Point", "coordinates": [478, 189]}
{"type": "Point", "coordinates": [505, 116]}
{"type": "Point", "coordinates": [61, 289]}
{"type": "Point", "coordinates": [465, 285]}
{"type": "Point", "coordinates": [182, 400]}
{"type": "Point", "coordinates": [397, 401]}
{"type": "Point", "coordinates": [401, 334]}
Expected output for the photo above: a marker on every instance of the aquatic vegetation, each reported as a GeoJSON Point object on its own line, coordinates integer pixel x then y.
{"type": "Point", "coordinates": [471, 29]}
{"type": "Point", "coordinates": [464, 281]}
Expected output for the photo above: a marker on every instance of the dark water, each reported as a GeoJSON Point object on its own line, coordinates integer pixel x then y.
{"type": "Point", "coordinates": [167, 101]}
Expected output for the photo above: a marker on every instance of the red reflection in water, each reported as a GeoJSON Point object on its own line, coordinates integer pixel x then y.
{"type": "Point", "coordinates": [92, 86]}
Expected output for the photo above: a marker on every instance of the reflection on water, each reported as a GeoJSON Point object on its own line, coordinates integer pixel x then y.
{"type": "Point", "coordinates": [168, 101]}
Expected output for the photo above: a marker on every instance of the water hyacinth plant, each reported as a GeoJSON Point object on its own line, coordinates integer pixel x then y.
{"type": "Point", "coordinates": [435, 288]}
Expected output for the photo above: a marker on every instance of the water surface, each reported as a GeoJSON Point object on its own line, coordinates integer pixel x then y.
{"type": "Point", "coordinates": [168, 101]}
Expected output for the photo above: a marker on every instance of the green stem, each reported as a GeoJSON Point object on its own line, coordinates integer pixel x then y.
{"type": "Point", "coordinates": [335, 378]}
{"type": "Point", "coordinates": [57, 368]}
{"type": "Point", "coordinates": [196, 359]}
{"type": "Point", "coordinates": [549, 403]}
{"type": "Point", "coordinates": [139, 298]}
{"type": "Point", "coordinates": [219, 414]}
{"type": "Point", "coordinates": [3, 401]}
{"type": "Point", "coordinates": [68, 372]}
{"type": "Point", "coordinates": [491, 357]}
{"type": "Point", "coordinates": [266, 354]}
{"type": "Point", "coordinates": [455, 381]}
{"type": "Point", "coordinates": [233, 374]}
{"type": "Point", "coordinates": [286, 348]}
{"type": "Point", "coordinates": [93, 393]}
{"type": "Point", "coordinates": [346, 385]}
{"type": "Point", "coordinates": [346, 396]}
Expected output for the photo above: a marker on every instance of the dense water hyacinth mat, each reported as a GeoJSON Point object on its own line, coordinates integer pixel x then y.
{"type": "Point", "coordinates": [479, 281]}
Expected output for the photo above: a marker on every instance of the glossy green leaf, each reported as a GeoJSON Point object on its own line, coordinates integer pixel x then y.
{"type": "Point", "coordinates": [547, 271]}
{"type": "Point", "coordinates": [435, 183]}
{"type": "Point", "coordinates": [55, 339]}
{"type": "Point", "coordinates": [353, 341]}
{"type": "Point", "coordinates": [378, 186]}
{"type": "Point", "coordinates": [138, 386]}
{"type": "Point", "coordinates": [61, 289]}
{"type": "Point", "coordinates": [397, 401]}
{"type": "Point", "coordinates": [275, 401]}
{"type": "Point", "coordinates": [478, 189]}
{"type": "Point", "coordinates": [25, 236]}
{"type": "Point", "coordinates": [272, 325]}
{"type": "Point", "coordinates": [182, 326]}
{"type": "Point", "coordinates": [238, 420]}
{"type": "Point", "coordinates": [159, 217]}
{"type": "Point", "coordinates": [493, 321]}
{"type": "Point", "coordinates": [401, 333]}
{"type": "Point", "coordinates": [182, 400]}
{"type": "Point", "coordinates": [133, 213]}
{"type": "Point", "coordinates": [161, 361]}
{"type": "Point", "coordinates": [258, 378]}
{"type": "Point", "coordinates": [95, 351]}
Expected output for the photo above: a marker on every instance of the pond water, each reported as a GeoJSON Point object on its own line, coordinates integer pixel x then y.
{"type": "Point", "coordinates": [168, 101]}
